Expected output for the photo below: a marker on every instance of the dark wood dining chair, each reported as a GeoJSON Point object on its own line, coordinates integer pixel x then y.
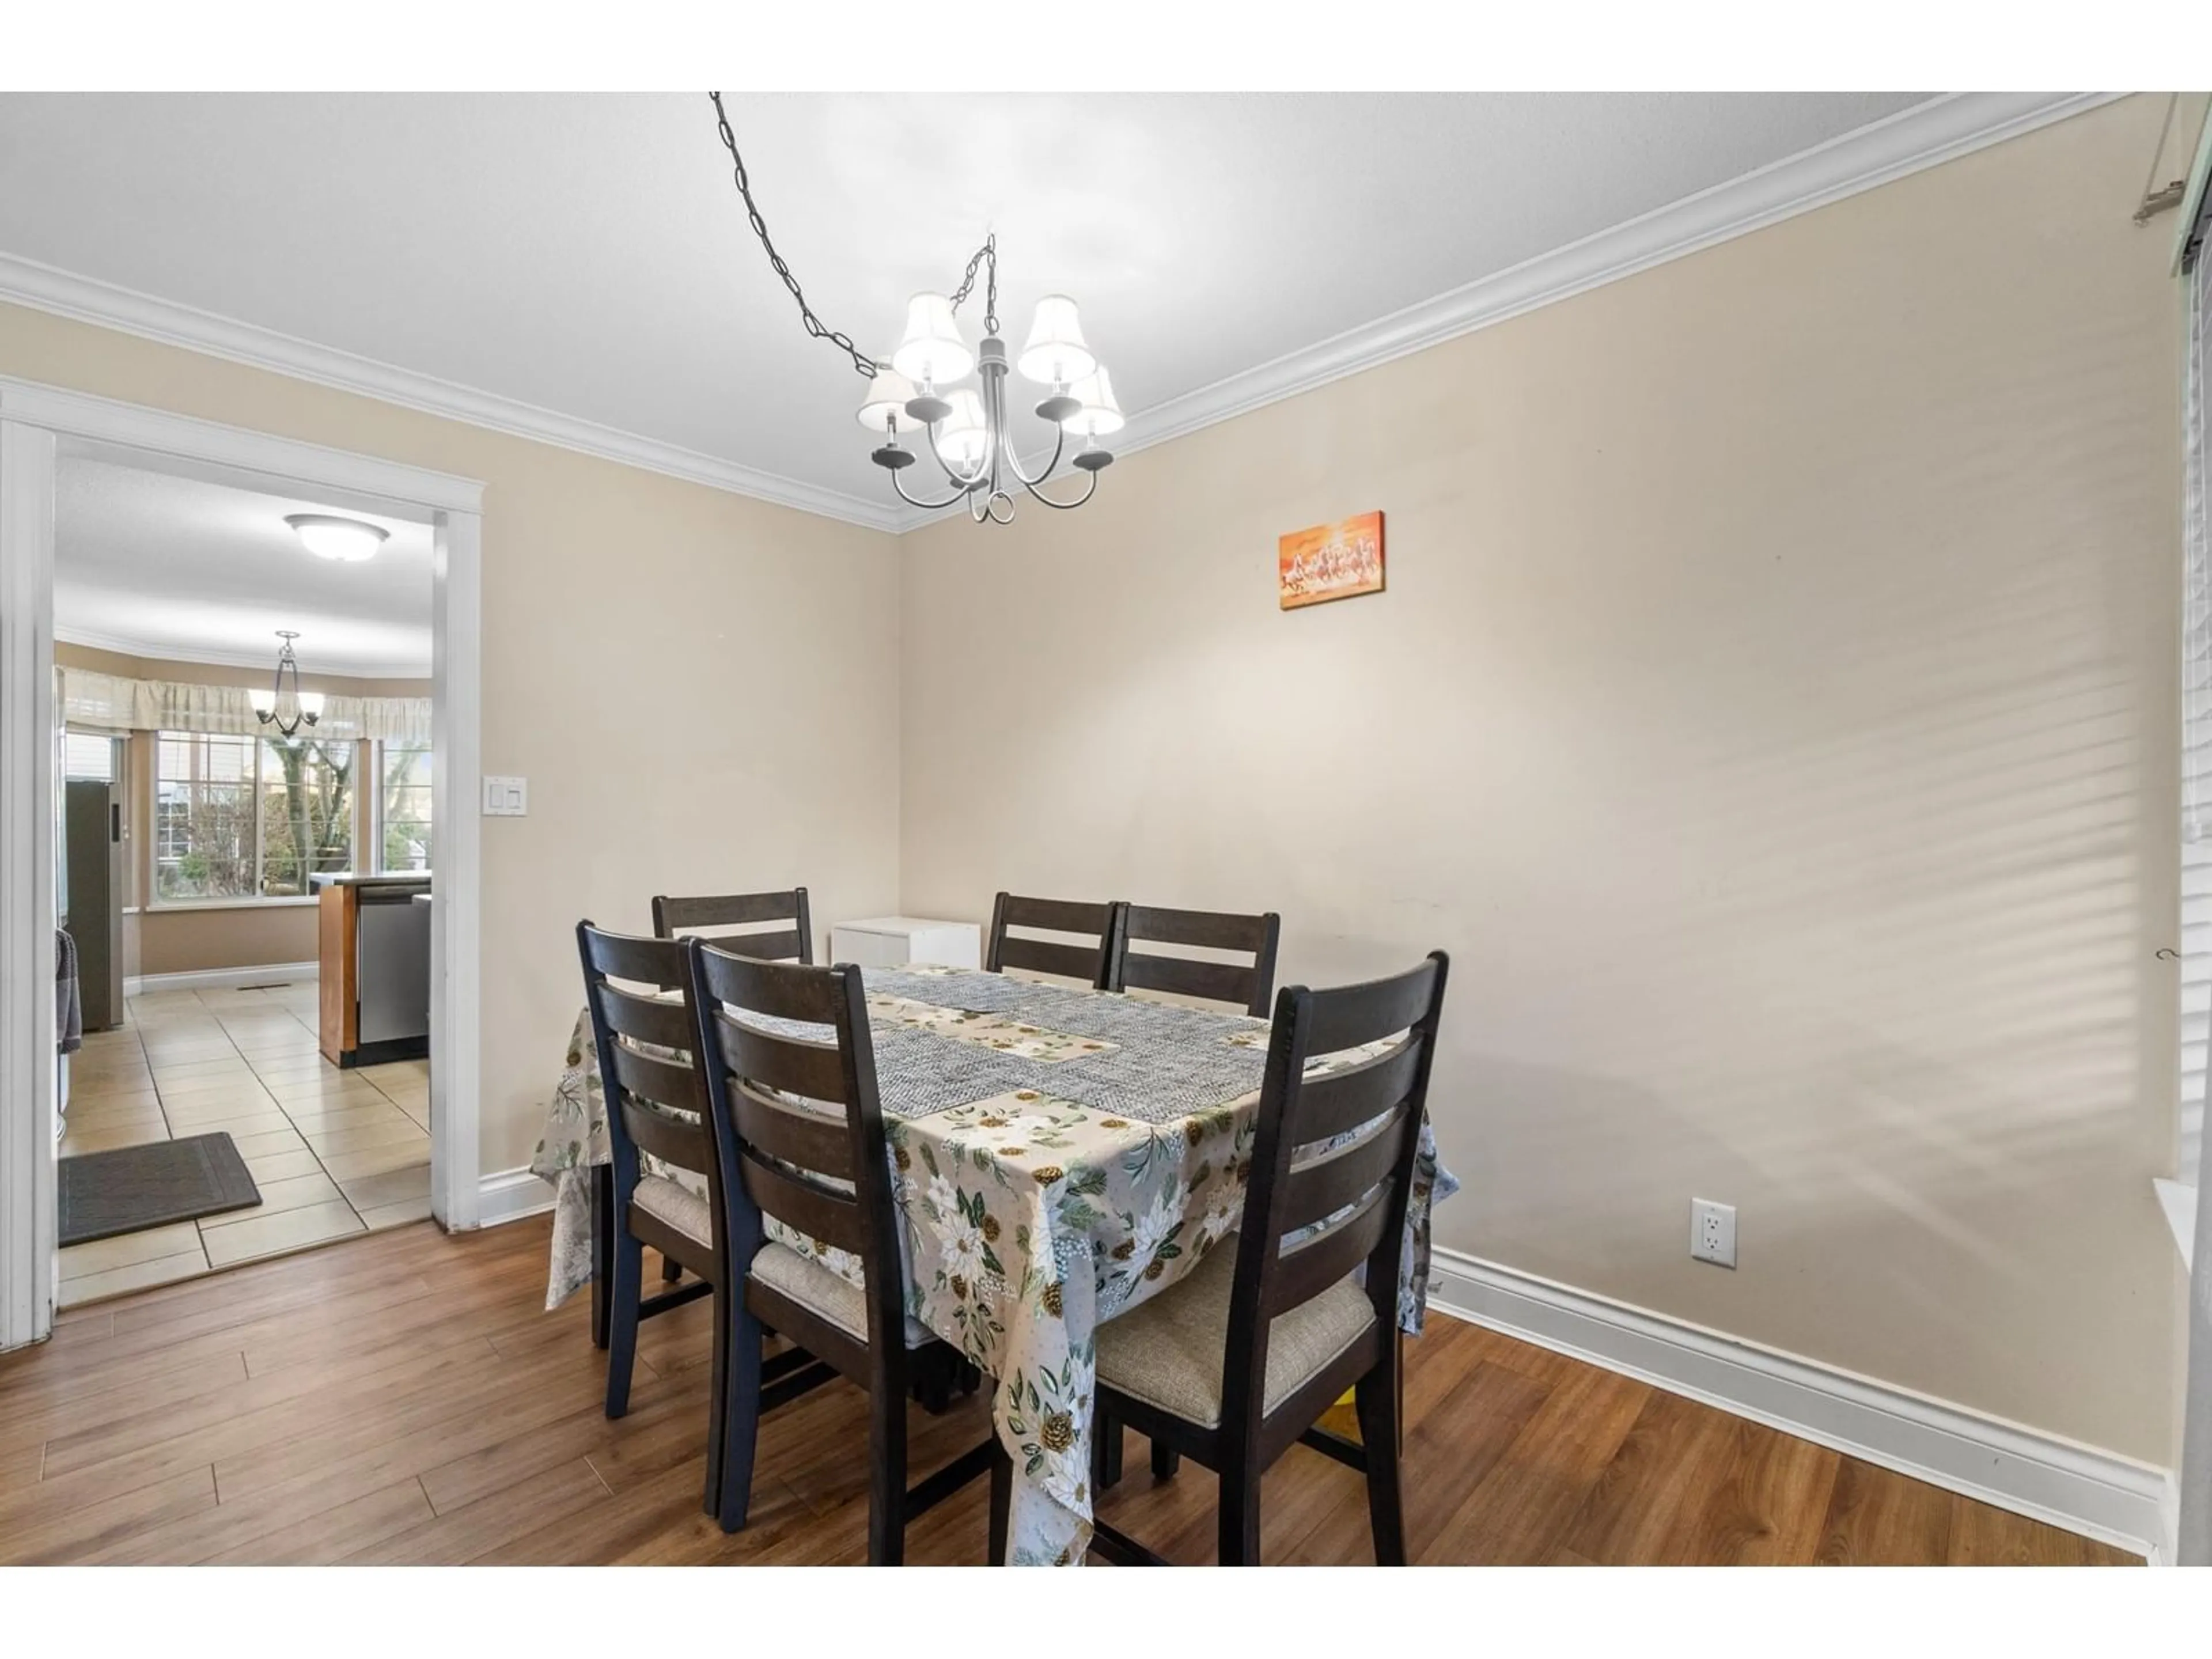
{"type": "Point", "coordinates": [674, 918]}
{"type": "Point", "coordinates": [1249, 985]}
{"type": "Point", "coordinates": [1088, 961]}
{"type": "Point", "coordinates": [738, 922]}
{"type": "Point", "coordinates": [805, 1131]}
{"type": "Point", "coordinates": [1235, 1366]}
{"type": "Point", "coordinates": [657, 1105]}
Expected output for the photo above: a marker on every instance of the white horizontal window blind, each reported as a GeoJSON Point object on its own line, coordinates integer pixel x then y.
{"type": "Point", "coordinates": [88, 755]}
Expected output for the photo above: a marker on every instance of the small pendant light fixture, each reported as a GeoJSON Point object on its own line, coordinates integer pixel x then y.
{"type": "Point", "coordinates": [288, 711]}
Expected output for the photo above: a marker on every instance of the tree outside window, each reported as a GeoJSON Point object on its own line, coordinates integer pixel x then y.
{"type": "Point", "coordinates": [307, 813]}
{"type": "Point", "coordinates": [203, 799]}
{"type": "Point", "coordinates": [238, 817]}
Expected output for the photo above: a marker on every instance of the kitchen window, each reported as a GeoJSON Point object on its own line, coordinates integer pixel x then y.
{"type": "Point", "coordinates": [241, 819]}
{"type": "Point", "coordinates": [403, 823]}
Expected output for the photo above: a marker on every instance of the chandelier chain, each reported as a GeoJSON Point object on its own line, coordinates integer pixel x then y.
{"type": "Point", "coordinates": [862, 364]}
{"type": "Point", "coordinates": [988, 253]}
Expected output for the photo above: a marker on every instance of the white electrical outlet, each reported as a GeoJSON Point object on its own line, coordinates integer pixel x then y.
{"type": "Point", "coordinates": [1712, 1232]}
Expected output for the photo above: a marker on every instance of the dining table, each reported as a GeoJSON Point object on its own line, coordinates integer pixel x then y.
{"type": "Point", "coordinates": [1060, 1155]}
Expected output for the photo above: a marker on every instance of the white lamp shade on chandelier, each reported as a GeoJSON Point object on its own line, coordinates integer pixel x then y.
{"type": "Point", "coordinates": [889, 394]}
{"type": "Point", "coordinates": [933, 352]}
{"type": "Point", "coordinates": [965, 441]}
{"type": "Point", "coordinates": [348, 541]}
{"type": "Point", "coordinates": [1055, 354]}
{"type": "Point", "coordinates": [1100, 414]}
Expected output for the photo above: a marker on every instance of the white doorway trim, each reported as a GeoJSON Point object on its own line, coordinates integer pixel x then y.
{"type": "Point", "coordinates": [455, 738]}
{"type": "Point", "coordinates": [27, 881]}
{"type": "Point", "coordinates": [35, 422]}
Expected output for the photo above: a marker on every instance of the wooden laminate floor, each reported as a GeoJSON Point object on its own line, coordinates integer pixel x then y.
{"type": "Point", "coordinates": [402, 1398]}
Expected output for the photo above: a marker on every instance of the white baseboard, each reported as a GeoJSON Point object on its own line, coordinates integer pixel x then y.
{"type": "Point", "coordinates": [510, 1194]}
{"type": "Point", "coordinates": [2097, 1493]}
{"type": "Point", "coordinates": [221, 979]}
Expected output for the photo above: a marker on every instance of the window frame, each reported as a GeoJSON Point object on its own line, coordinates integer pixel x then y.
{"type": "Point", "coordinates": [379, 748]}
{"type": "Point", "coordinates": [154, 899]}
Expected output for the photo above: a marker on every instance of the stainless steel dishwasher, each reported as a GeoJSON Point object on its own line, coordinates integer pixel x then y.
{"type": "Point", "coordinates": [392, 946]}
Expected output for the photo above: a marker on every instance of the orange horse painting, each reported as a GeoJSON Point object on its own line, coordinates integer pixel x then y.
{"type": "Point", "coordinates": [1330, 562]}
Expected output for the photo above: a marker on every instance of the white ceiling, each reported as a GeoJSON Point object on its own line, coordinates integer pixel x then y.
{"type": "Point", "coordinates": [585, 254]}
{"type": "Point", "coordinates": [163, 566]}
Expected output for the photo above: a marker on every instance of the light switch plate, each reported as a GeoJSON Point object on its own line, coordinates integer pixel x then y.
{"type": "Point", "coordinates": [506, 798]}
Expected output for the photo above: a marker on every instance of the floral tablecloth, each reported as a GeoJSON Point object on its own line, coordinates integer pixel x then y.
{"type": "Point", "coordinates": [1061, 1155]}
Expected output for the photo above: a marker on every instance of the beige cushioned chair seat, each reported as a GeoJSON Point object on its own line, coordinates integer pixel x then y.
{"type": "Point", "coordinates": [836, 1298]}
{"type": "Point", "coordinates": [1169, 1351]}
{"type": "Point", "coordinates": [679, 1206]}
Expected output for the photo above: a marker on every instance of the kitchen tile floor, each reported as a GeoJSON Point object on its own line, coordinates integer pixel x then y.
{"type": "Point", "coordinates": [334, 1153]}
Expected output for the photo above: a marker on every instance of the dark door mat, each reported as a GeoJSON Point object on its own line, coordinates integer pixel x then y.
{"type": "Point", "coordinates": [127, 1191]}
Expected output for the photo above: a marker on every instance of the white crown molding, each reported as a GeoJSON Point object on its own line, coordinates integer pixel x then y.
{"type": "Point", "coordinates": [86, 299]}
{"type": "Point", "coordinates": [1925, 135]}
{"type": "Point", "coordinates": [2081, 1488]}
{"type": "Point", "coordinates": [124, 645]}
{"type": "Point", "coordinates": [1941, 129]}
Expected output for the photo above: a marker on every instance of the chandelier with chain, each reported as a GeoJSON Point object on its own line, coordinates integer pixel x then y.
{"type": "Point", "coordinates": [966, 430]}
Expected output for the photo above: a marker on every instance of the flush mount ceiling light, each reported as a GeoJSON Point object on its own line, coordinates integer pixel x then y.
{"type": "Point", "coordinates": [967, 429]}
{"type": "Point", "coordinates": [348, 541]}
{"type": "Point", "coordinates": [289, 709]}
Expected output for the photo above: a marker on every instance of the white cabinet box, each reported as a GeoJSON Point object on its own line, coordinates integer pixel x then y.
{"type": "Point", "coordinates": [894, 941]}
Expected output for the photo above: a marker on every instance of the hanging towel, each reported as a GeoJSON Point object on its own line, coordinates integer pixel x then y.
{"type": "Point", "coordinates": [69, 1012]}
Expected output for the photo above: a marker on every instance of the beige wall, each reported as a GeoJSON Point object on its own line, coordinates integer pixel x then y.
{"type": "Point", "coordinates": [192, 940]}
{"type": "Point", "coordinates": [1773, 711]}
{"type": "Point", "coordinates": [702, 689]}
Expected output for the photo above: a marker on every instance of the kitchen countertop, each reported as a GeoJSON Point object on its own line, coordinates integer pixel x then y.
{"type": "Point", "coordinates": [354, 878]}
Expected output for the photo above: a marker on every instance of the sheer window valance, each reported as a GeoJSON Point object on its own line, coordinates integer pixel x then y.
{"type": "Point", "coordinates": [113, 703]}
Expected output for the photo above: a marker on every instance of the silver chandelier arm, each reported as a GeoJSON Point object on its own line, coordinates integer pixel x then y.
{"type": "Point", "coordinates": [1014, 461]}
{"type": "Point", "coordinates": [1088, 491]}
{"type": "Point", "coordinates": [927, 507]}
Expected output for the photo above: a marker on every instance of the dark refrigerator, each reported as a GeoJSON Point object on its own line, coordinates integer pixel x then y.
{"type": "Point", "coordinates": [92, 895]}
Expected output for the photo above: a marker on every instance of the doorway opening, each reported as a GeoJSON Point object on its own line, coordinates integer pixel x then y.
{"type": "Point", "coordinates": [246, 926]}
{"type": "Point", "coordinates": [245, 873]}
